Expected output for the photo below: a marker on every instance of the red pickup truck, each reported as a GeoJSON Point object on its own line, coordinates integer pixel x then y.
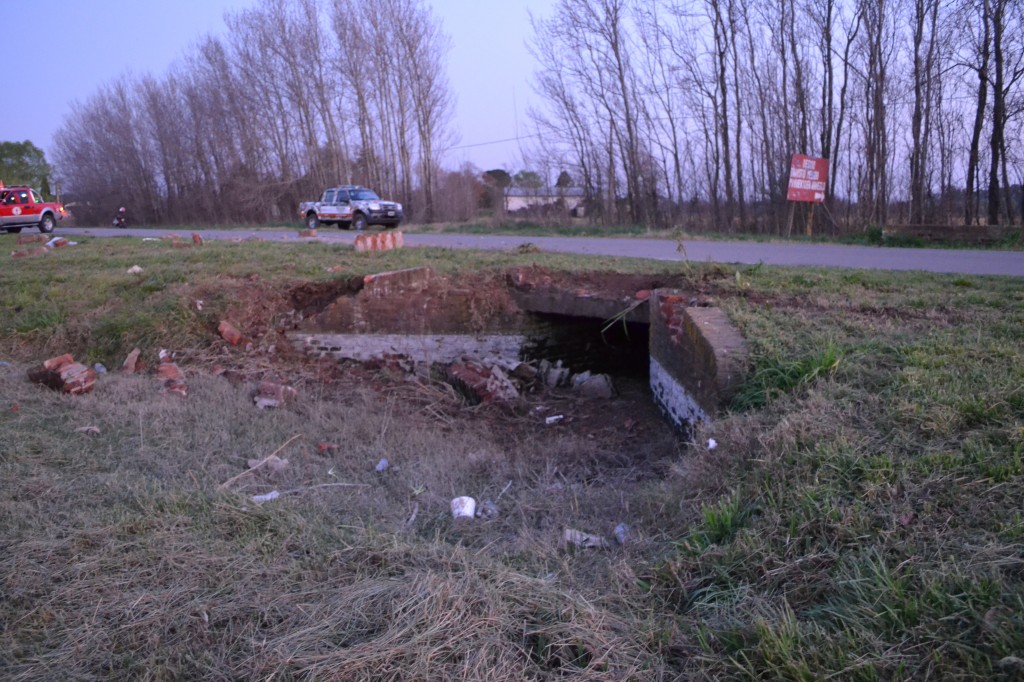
{"type": "Point", "coordinates": [23, 207]}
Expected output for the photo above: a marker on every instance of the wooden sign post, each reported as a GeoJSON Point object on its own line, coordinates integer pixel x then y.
{"type": "Point", "coordinates": [808, 178]}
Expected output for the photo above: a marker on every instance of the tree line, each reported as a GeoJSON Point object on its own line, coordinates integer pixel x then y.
{"type": "Point", "coordinates": [300, 95]}
{"type": "Point", "coordinates": [675, 112]}
{"type": "Point", "coordinates": [665, 112]}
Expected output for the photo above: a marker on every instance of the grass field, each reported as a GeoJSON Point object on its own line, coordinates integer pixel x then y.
{"type": "Point", "coordinates": [861, 518]}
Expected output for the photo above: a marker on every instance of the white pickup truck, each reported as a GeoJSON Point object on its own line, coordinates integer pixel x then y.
{"type": "Point", "coordinates": [350, 206]}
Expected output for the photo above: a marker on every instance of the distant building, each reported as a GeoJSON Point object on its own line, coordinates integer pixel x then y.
{"type": "Point", "coordinates": [524, 198]}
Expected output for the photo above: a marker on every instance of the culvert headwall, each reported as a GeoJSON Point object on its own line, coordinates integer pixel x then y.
{"type": "Point", "coordinates": [696, 356]}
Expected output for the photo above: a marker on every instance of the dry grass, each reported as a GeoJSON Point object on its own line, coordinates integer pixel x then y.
{"type": "Point", "coordinates": [126, 559]}
{"type": "Point", "coordinates": [860, 518]}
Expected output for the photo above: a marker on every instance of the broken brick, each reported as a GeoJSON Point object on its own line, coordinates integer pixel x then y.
{"type": "Point", "coordinates": [487, 384]}
{"type": "Point", "coordinates": [32, 239]}
{"type": "Point", "coordinates": [30, 253]}
{"type": "Point", "coordinates": [131, 363]}
{"type": "Point", "coordinates": [197, 239]}
{"type": "Point", "coordinates": [229, 332]}
{"type": "Point", "coordinates": [62, 373]}
{"type": "Point", "coordinates": [172, 378]}
{"type": "Point", "coordinates": [270, 394]}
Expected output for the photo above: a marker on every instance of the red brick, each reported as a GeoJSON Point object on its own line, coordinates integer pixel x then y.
{"type": "Point", "coordinates": [197, 239]}
{"type": "Point", "coordinates": [229, 332]}
{"type": "Point", "coordinates": [76, 378]}
{"type": "Point", "coordinates": [57, 362]}
{"type": "Point", "coordinates": [64, 374]}
{"type": "Point", "coordinates": [30, 253]}
{"type": "Point", "coordinates": [270, 394]}
{"type": "Point", "coordinates": [32, 239]}
{"type": "Point", "coordinates": [131, 363]}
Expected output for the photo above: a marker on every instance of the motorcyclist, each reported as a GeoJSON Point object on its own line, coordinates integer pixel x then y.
{"type": "Point", "coordinates": [121, 217]}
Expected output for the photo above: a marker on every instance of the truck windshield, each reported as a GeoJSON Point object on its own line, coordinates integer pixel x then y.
{"type": "Point", "coordinates": [364, 195]}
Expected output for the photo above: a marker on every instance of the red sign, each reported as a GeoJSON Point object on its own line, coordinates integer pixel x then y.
{"type": "Point", "coordinates": [807, 179]}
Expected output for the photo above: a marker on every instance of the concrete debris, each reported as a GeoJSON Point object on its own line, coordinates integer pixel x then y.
{"type": "Point", "coordinates": [131, 363]}
{"type": "Point", "coordinates": [623, 533]}
{"type": "Point", "coordinates": [488, 384]}
{"type": "Point", "coordinates": [271, 395]}
{"type": "Point", "coordinates": [463, 508]}
{"type": "Point", "coordinates": [135, 270]}
{"type": "Point", "coordinates": [525, 371]}
{"type": "Point", "coordinates": [595, 386]}
{"type": "Point", "coordinates": [581, 539]}
{"type": "Point", "coordinates": [64, 374]}
{"type": "Point", "coordinates": [381, 241]}
{"type": "Point", "coordinates": [88, 430]}
{"type": "Point", "coordinates": [58, 242]}
{"type": "Point", "coordinates": [554, 375]}
{"type": "Point", "coordinates": [229, 332]}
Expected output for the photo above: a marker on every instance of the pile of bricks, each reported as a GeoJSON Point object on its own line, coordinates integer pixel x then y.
{"type": "Point", "coordinates": [381, 241]}
{"type": "Point", "coordinates": [49, 245]}
{"type": "Point", "coordinates": [62, 373]}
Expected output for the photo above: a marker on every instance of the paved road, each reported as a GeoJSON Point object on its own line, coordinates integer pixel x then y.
{"type": "Point", "coordinates": [966, 262]}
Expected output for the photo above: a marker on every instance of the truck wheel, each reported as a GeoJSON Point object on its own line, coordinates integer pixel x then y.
{"type": "Point", "coordinates": [312, 222]}
{"type": "Point", "coordinates": [46, 224]}
{"type": "Point", "coordinates": [359, 221]}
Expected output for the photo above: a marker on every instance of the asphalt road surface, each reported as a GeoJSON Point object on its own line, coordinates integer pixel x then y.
{"type": "Point", "coordinates": [968, 262]}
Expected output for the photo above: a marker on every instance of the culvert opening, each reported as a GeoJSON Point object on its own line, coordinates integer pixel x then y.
{"type": "Point", "coordinates": [616, 348]}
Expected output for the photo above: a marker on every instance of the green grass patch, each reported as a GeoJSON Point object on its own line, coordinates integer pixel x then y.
{"type": "Point", "coordinates": [860, 518]}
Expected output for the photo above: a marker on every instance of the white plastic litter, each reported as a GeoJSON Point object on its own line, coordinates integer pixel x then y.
{"type": "Point", "coordinates": [382, 465]}
{"type": "Point", "coordinates": [266, 497]}
{"type": "Point", "coordinates": [554, 419]}
{"type": "Point", "coordinates": [712, 443]}
{"type": "Point", "coordinates": [581, 539]}
{"type": "Point", "coordinates": [463, 507]}
{"type": "Point", "coordinates": [134, 270]}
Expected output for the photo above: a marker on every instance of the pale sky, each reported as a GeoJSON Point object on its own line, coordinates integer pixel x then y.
{"type": "Point", "coordinates": [57, 51]}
